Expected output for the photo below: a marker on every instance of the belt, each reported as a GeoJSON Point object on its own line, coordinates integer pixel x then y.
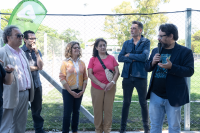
{"type": "Point", "coordinates": [23, 90]}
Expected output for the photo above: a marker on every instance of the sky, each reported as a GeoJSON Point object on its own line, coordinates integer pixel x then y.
{"type": "Point", "coordinates": [98, 6]}
{"type": "Point", "coordinates": [105, 7]}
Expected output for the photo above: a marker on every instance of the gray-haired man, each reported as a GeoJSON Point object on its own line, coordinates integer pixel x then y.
{"type": "Point", "coordinates": [16, 95]}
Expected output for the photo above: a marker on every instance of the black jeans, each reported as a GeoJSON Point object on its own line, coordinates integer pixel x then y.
{"type": "Point", "coordinates": [71, 106]}
{"type": "Point", "coordinates": [36, 108]}
{"type": "Point", "coordinates": [128, 85]}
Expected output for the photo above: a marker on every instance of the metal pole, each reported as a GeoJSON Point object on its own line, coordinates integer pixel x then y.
{"type": "Point", "coordinates": [188, 45]}
{"type": "Point", "coordinates": [0, 20]}
{"type": "Point", "coordinates": [63, 49]}
{"type": "Point", "coordinates": [45, 48]}
{"type": "Point", "coordinates": [1, 34]}
{"type": "Point", "coordinates": [59, 88]}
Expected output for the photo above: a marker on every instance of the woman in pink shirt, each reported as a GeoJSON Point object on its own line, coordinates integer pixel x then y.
{"type": "Point", "coordinates": [102, 91]}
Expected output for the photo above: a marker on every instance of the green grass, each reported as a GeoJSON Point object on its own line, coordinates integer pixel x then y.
{"type": "Point", "coordinates": [53, 108]}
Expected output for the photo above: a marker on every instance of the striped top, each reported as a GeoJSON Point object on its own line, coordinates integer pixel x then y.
{"type": "Point", "coordinates": [68, 74]}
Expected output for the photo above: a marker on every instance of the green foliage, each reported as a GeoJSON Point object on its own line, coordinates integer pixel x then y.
{"type": "Point", "coordinates": [50, 31]}
{"type": "Point", "coordinates": [91, 40]}
{"type": "Point", "coordinates": [195, 42]}
{"type": "Point", "coordinates": [82, 45]}
{"type": "Point", "coordinates": [181, 42]}
{"type": "Point", "coordinates": [4, 23]}
{"type": "Point", "coordinates": [70, 35]}
{"type": "Point", "coordinates": [119, 26]}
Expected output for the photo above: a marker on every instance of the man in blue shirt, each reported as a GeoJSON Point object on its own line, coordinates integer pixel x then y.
{"type": "Point", "coordinates": [34, 57]}
{"type": "Point", "coordinates": [134, 54]}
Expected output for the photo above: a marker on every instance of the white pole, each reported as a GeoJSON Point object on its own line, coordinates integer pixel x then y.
{"type": "Point", "coordinates": [62, 50]}
{"type": "Point", "coordinates": [188, 28]}
{"type": "Point", "coordinates": [45, 48]}
{"type": "Point", "coordinates": [1, 34]}
{"type": "Point", "coordinates": [0, 19]}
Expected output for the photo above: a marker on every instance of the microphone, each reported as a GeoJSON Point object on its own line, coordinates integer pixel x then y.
{"type": "Point", "coordinates": [159, 48]}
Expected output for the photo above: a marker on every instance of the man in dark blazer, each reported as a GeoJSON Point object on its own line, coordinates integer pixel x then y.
{"type": "Point", "coordinates": [134, 54]}
{"type": "Point", "coordinates": [168, 89]}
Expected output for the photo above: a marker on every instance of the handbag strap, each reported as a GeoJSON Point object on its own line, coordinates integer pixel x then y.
{"type": "Point", "coordinates": [104, 67]}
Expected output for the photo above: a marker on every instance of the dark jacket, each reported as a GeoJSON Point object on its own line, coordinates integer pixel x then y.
{"type": "Point", "coordinates": [141, 55]}
{"type": "Point", "coordinates": [176, 81]}
{"type": "Point", "coordinates": [32, 59]}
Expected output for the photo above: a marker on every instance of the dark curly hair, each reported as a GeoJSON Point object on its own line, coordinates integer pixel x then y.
{"type": "Point", "coordinates": [68, 49]}
{"type": "Point", "coordinates": [170, 29]}
{"type": "Point", "coordinates": [96, 43]}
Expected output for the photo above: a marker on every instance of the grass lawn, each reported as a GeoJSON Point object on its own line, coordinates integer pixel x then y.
{"type": "Point", "coordinates": [53, 108]}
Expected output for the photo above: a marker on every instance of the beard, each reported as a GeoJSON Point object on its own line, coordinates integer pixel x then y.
{"type": "Point", "coordinates": [165, 45]}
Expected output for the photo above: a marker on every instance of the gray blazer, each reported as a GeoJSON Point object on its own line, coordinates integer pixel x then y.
{"type": "Point", "coordinates": [11, 92]}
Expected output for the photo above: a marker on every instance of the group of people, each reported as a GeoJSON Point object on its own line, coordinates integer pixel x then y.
{"type": "Point", "coordinates": [20, 81]}
{"type": "Point", "coordinates": [168, 90]}
{"type": "Point", "coordinates": [170, 65]}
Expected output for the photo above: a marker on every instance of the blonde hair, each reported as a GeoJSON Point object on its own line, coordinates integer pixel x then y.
{"type": "Point", "coordinates": [68, 49]}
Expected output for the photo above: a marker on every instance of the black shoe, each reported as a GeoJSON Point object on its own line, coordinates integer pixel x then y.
{"type": "Point", "coordinates": [122, 131]}
{"type": "Point", "coordinates": [146, 131]}
{"type": "Point", "coordinates": [41, 131]}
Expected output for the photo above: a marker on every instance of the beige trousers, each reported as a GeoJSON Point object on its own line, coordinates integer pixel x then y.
{"type": "Point", "coordinates": [102, 105]}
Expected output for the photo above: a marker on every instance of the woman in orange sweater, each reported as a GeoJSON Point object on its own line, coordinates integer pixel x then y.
{"type": "Point", "coordinates": [74, 80]}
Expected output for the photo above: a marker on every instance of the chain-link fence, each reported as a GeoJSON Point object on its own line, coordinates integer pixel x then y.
{"type": "Point", "coordinates": [52, 39]}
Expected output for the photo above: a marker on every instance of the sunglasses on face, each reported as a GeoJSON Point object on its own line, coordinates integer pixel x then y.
{"type": "Point", "coordinates": [19, 35]}
{"type": "Point", "coordinates": [32, 39]}
{"type": "Point", "coordinates": [76, 47]}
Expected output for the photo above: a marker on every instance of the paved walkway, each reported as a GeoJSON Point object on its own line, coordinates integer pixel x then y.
{"type": "Point", "coordinates": [166, 131]}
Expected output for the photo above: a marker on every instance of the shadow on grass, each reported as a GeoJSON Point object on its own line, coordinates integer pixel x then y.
{"type": "Point", "coordinates": [52, 113]}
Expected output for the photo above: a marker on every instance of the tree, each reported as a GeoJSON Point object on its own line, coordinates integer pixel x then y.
{"type": "Point", "coordinates": [69, 35]}
{"type": "Point", "coordinates": [195, 42]}
{"type": "Point", "coordinates": [181, 42]}
{"type": "Point", "coordinates": [5, 18]}
{"type": "Point", "coordinates": [54, 43]}
{"type": "Point", "coordinates": [119, 26]}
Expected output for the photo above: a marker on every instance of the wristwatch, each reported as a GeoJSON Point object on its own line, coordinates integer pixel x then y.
{"type": "Point", "coordinates": [113, 82]}
{"type": "Point", "coordinates": [8, 72]}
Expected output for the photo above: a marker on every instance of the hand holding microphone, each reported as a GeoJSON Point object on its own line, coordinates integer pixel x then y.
{"type": "Point", "coordinates": [156, 57]}
{"type": "Point", "coordinates": [159, 47]}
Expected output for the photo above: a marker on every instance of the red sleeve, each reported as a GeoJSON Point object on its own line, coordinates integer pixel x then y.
{"type": "Point", "coordinates": [91, 63]}
{"type": "Point", "coordinates": [114, 62]}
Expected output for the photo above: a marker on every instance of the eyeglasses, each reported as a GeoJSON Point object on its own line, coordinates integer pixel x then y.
{"type": "Point", "coordinates": [160, 36]}
{"type": "Point", "coordinates": [76, 47]}
{"type": "Point", "coordinates": [19, 35]}
{"type": "Point", "coordinates": [32, 39]}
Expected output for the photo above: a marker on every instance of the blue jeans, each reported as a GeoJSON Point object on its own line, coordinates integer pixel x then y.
{"type": "Point", "coordinates": [1, 113]}
{"type": "Point", "coordinates": [157, 109]}
{"type": "Point", "coordinates": [128, 85]}
{"type": "Point", "coordinates": [71, 106]}
{"type": "Point", "coordinates": [36, 108]}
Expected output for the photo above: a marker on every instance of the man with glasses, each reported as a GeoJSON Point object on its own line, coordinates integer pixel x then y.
{"type": "Point", "coordinates": [34, 57]}
{"type": "Point", "coordinates": [168, 89]}
{"type": "Point", "coordinates": [16, 95]}
{"type": "Point", "coordinates": [134, 53]}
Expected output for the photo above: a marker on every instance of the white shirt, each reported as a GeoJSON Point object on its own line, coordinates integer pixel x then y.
{"type": "Point", "coordinates": [77, 71]}
{"type": "Point", "coordinates": [22, 69]}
